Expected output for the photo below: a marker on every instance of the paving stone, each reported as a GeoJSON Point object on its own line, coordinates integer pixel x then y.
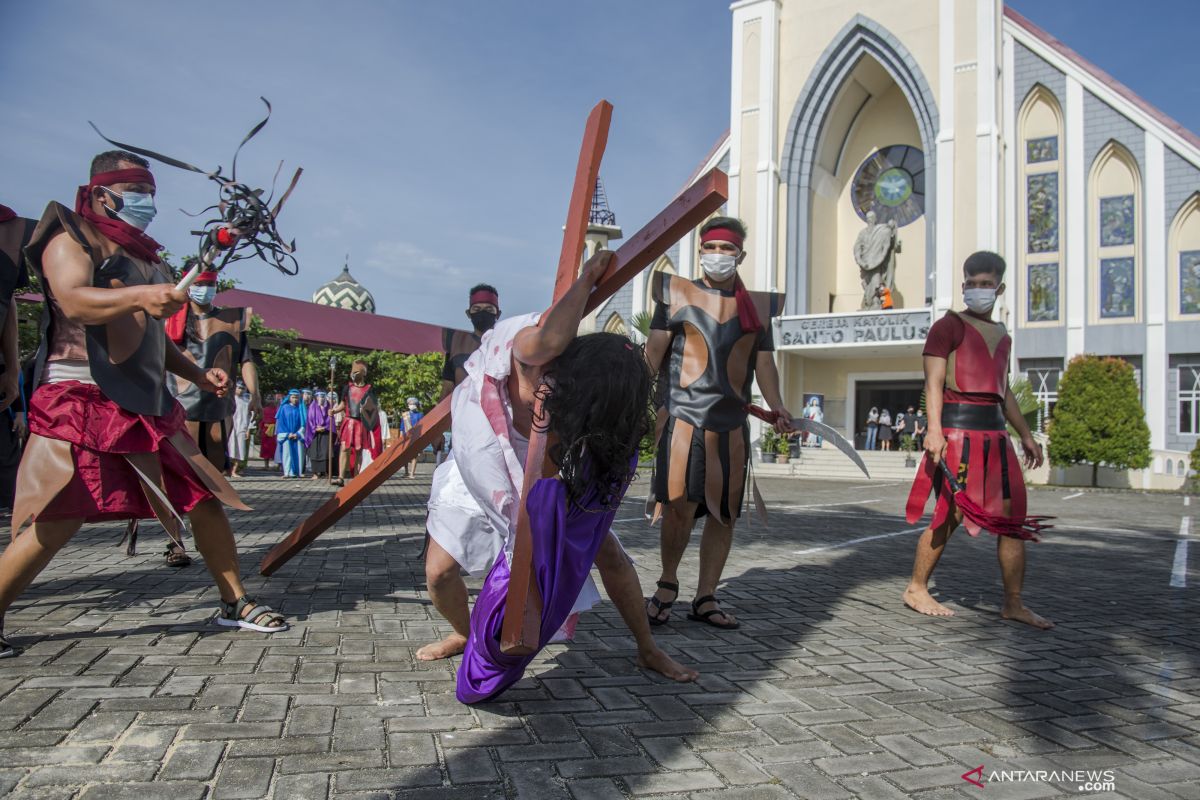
{"type": "Point", "coordinates": [193, 760]}
{"type": "Point", "coordinates": [242, 778]}
{"type": "Point", "coordinates": [800, 702]}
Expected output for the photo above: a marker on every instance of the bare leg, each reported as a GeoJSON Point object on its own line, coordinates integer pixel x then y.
{"type": "Point", "coordinates": [343, 463]}
{"type": "Point", "coordinates": [412, 468]}
{"type": "Point", "coordinates": [1011, 553]}
{"type": "Point", "coordinates": [715, 544]}
{"type": "Point", "coordinates": [624, 589]}
{"type": "Point", "coordinates": [929, 550]}
{"type": "Point", "coordinates": [214, 540]}
{"type": "Point", "coordinates": [448, 591]}
{"type": "Point", "coordinates": [678, 519]}
{"type": "Point", "coordinates": [28, 555]}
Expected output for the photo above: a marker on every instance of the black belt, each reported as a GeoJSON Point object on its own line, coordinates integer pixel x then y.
{"type": "Point", "coordinates": [973, 417]}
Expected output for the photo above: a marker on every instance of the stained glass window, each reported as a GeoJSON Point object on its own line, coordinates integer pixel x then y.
{"type": "Point", "coordinates": [1117, 288]}
{"type": "Point", "coordinates": [1043, 293]}
{"type": "Point", "coordinates": [891, 182]}
{"type": "Point", "coordinates": [1116, 220]}
{"type": "Point", "coordinates": [1042, 149]}
{"type": "Point", "coordinates": [1042, 215]}
{"type": "Point", "coordinates": [1189, 282]}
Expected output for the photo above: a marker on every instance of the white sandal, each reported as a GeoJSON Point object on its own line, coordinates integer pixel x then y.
{"type": "Point", "coordinates": [233, 615]}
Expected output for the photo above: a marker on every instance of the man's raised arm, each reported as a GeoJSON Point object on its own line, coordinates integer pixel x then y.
{"type": "Point", "coordinates": [543, 344]}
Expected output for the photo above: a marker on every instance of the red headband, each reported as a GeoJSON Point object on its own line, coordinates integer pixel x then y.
{"type": "Point", "coordinates": [484, 296]}
{"type": "Point", "coordinates": [131, 175]}
{"type": "Point", "coordinates": [723, 235]}
{"type": "Point", "coordinates": [207, 276]}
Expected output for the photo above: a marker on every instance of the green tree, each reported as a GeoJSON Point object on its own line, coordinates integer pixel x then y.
{"type": "Point", "coordinates": [1026, 401]}
{"type": "Point", "coordinates": [1099, 418]}
{"type": "Point", "coordinates": [286, 363]}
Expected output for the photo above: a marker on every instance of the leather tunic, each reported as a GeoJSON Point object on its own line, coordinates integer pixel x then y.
{"type": "Point", "coordinates": [459, 345]}
{"type": "Point", "coordinates": [980, 364]}
{"type": "Point", "coordinates": [362, 405]}
{"type": "Point", "coordinates": [711, 365]}
{"type": "Point", "coordinates": [214, 341]}
{"type": "Point", "coordinates": [127, 355]}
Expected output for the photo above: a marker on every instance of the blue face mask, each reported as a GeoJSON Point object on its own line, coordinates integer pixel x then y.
{"type": "Point", "coordinates": [202, 295]}
{"type": "Point", "coordinates": [134, 208]}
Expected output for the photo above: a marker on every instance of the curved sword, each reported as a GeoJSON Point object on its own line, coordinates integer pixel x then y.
{"type": "Point", "coordinates": [829, 434]}
{"type": "Point", "coordinates": [816, 428]}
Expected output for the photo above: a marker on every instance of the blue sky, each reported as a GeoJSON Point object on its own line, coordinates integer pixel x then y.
{"type": "Point", "coordinates": [438, 139]}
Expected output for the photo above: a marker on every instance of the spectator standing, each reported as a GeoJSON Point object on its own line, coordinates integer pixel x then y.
{"type": "Point", "coordinates": [885, 430]}
{"type": "Point", "coordinates": [408, 420]}
{"type": "Point", "coordinates": [919, 428]}
{"type": "Point", "coordinates": [872, 428]}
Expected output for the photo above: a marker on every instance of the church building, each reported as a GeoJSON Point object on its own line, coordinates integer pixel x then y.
{"type": "Point", "coordinates": [881, 142]}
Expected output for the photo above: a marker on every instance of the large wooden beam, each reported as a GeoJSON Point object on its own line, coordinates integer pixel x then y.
{"type": "Point", "coordinates": [523, 607]}
{"type": "Point", "coordinates": [395, 456]}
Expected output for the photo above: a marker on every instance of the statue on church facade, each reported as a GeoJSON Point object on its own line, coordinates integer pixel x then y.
{"type": "Point", "coordinates": [875, 253]}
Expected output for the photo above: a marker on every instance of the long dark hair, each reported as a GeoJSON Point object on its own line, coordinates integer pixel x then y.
{"type": "Point", "coordinates": [596, 401]}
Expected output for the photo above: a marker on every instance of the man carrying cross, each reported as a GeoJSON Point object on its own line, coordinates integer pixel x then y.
{"type": "Point", "coordinates": [107, 439]}
{"type": "Point", "coordinates": [593, 388]}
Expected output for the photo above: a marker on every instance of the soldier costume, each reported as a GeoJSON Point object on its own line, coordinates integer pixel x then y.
{"type": "Point", "coordinates": [703, 438]}
{"type": "Point", "coordinates": [107, 440]}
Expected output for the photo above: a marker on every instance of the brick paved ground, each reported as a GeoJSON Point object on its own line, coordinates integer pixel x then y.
{"type": "Point", "coordinates": [831, 688]}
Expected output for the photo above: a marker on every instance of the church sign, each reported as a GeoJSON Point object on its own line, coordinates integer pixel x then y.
{"type": "Point", "coordinates": [861, 328]}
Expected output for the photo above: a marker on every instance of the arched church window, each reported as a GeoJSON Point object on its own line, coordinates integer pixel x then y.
{"type": "Point", "coordinates": [891, 183]}
{"type": "Point", "coordinates": [1184, 260]}
{"type": "Point", "coordinates": [615, 325]}
{"type": "Point", "coordinates": [1042, 169]}
{"type": "Point", "coordinates": [1114, 197]}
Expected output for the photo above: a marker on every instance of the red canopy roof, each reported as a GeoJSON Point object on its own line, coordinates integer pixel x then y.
{"type": "Point", "coordinates": [338, 327]}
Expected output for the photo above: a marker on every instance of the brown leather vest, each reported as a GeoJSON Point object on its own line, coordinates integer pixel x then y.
{"type": "Point", "coordinates": [127, 356]}
{"type": "Point", "coordinates": [365, 407]}
{"type": "Point", "coordinates": [214, 341]}
{"type": "Point", "coordinates": [980, 364]}
{"type": "Point", "coordinates": [459, 345]}
{"type": "Point", "coordinates": [711, 360]}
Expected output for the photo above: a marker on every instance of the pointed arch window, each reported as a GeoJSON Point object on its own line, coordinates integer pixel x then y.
{"type": "Point", "coordinates": [1184, 261]}
{"type": "Point", "coordinates": [1114, 231]}
{"type": "Point", "coordinates": [1039, 278]}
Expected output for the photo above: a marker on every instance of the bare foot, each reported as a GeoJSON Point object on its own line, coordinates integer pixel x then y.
{"type": "Point", "coordinates": [1019, 613]}
{"type": "Point", "coordinates": [919, 600]}
{"type": "Point", "coordinates": [452, 645]}
{"type": "Point", "coordinates": [663, 664]}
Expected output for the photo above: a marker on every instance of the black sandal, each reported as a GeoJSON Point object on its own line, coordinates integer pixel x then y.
{"type": "Point", "coordinates": [7, 648]}
{"type": "Point", "coordinates": [706, 617]}
{"type": "Point", "coordinates": [235, 615]}
{"type": "Point", "coordinates": [177, 557]}
{"type": "Point", "coordinates": [660, 605]}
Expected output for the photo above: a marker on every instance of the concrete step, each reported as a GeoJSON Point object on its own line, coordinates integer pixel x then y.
{"type": "Point", "coordinates": [829, 463]}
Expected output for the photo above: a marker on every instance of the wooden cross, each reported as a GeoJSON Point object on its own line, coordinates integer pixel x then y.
{"type": "Point", "coordinates": [523, 609]}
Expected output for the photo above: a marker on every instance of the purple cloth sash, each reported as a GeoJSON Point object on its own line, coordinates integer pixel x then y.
{"type": "Point", "coordinates": [566, 539]}
{"type": "Point", "coordinates": [317, 415]}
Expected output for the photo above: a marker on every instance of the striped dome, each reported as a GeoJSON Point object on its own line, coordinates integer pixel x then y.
{"type": "Point", "coordinates": [345, 292]}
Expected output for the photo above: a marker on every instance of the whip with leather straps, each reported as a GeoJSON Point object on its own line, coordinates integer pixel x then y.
{"type": "Point", "coordinates": [244, 223]}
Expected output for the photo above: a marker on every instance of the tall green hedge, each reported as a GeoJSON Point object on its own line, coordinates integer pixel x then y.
{"type": "Point", "coordinates": [1099, 418]}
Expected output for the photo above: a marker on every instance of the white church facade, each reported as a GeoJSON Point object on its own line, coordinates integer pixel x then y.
{"type": "Point", "coordinates": [965, 127]}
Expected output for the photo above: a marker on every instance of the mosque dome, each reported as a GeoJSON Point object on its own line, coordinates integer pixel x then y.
{"type": "Point", "coordinates": [345, 292]}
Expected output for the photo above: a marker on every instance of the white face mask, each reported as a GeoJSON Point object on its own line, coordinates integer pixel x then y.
{"type": "Point", "coordinates": [202, 295]}
{"type": "Point", "coordinates": [718, 266]}
{"type": "Point", "coordinates": [980, 300]}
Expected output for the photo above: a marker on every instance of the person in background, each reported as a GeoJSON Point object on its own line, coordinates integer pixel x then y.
{"type": "Point", "coordinates": [408, 420]}
{"type": "Point", "coordinates": [872, 428]}
{"type": "Point", "coordinates": [239, 436]}
{"type": "Point", "coordinates": [316, 435]}
{"type": "Point", "coordinates": [920, 426]}
{"type": "Point", "coordinates": [885, 430]}
{"type": "Point", "coordinates": [900, 429]}
{"type": "Point", "coordinates": [266, 431]}
{"type": "Point", "coordinates": [289, 430]}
